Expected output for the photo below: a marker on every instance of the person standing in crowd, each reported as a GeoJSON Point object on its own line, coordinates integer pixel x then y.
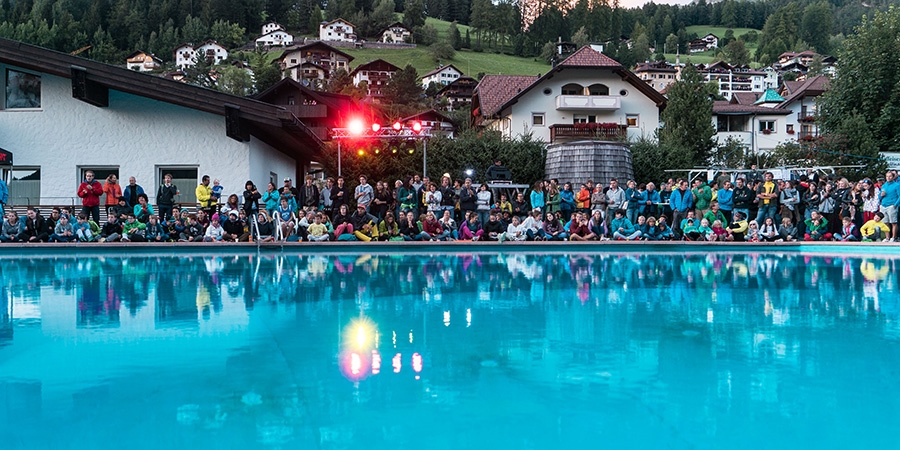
{"type": "Point", "coordinates": [271, 198]}
{"type": "Point", "coordinates": [537, 196]}
{"type": "Point", "coordinates": [339, 195]}
{"type": "Point", "coordinates": [363, 194]}
{"type": "Point", "coordinates": [325, 197]}
{"type": "Point", "coordinates": [615, 196]}
{"type": "Point", "coordinates": [743, 197]}
{"type": "Point", "coordinates": [682, 201]}
{"type": "Point", "coordinates": [204, 196]}
{"type": "Point", "coordinates": [890, 199]}
{"type": "Point", "coordinates": [251, 200]}
{"type": "Point", "coordinates": [768, 194]}
{"type": "Point", "coordinates": [90, 191]}
{"type": "Point", "coordinates": [702, 195]}
{"type": "Point", "coordinates": [725, 197]}
{"type": "Point", "coordinates": [165, 197]}
{"type": "Point", "coordinates": [112, 189]}
{"type": "Point", "coordinates": [308, 195]}
{"type": "Point", "coordinates": [131, 192]}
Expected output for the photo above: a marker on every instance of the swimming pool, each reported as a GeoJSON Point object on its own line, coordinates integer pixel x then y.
{"type": "Point", "coordinates": [438, 350]}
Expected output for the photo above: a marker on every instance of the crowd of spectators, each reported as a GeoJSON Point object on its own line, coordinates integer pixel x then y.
{"type": "Point", "coordinates": [750, 206]}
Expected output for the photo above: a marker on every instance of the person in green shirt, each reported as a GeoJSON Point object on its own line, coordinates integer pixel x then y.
{"type": "Point", "coordinates": [702, 197]}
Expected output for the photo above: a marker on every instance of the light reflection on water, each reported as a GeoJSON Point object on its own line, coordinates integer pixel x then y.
{"type": "Point", "coordinates": [449, 351]}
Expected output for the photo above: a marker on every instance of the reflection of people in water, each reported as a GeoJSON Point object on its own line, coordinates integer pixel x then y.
{"type": "Point", "coordinates": [23, 90]}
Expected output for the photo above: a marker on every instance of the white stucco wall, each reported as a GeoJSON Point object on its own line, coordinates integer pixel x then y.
{"type": "Point", "coordinates": [535, 101]}
{"type": "Point", "coordinates": [135, 134]}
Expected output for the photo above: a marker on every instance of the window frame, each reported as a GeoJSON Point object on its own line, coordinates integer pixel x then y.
{"type": "Point", "coordinates": [543, 119]}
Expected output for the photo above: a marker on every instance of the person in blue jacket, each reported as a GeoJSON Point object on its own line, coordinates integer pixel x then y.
{"type": "Point", "coordinates": [567, 201]}
{"type": "Point", "coordinates": [681, 202]}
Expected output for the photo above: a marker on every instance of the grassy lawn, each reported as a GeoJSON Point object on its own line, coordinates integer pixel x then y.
{"type": "Point", "coordinates": [470, 63]}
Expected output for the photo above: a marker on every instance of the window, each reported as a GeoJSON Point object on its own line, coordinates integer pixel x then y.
{"type": "Point", "coordinates": [273, 178]}
{"type": "Point", "coordinates": [537, 119]}
{"type": "Point", "coordinates": [790, 128]}
{"type": "Point", "coordinates": [579, 119]}
{"type": "Point", "coordinates": [598, 89]}
{"type": "Point", "coordinates": [23, 90]}
{"type": "Point", "coordinates": [185, 179]}
{"type": "Point", "coordinates": [25, 186]}
{"type": "Point", "coordinates": [632, 119]}
{"type": "Point", "coordinates": [767, 126]}
{"type": "Point", "coordinates": [572, 89]}
{"type": "Point", "coordinates": [731, 123]}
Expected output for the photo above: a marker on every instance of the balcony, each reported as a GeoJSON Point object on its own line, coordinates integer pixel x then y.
{"type": "Point", "coordinates": [588, 103]}
{"type": "Point", "coordinates": [592, 131]}
{"type": "Point", "coordinates": [807, 136]}
{"type": "Point", "coordinates": [308, 111]}
{"type": "Point", "coordinates": [806, 117]}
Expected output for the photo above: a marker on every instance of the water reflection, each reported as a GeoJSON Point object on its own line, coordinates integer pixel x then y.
{"type": "Point", "coordinates": [326, 350]}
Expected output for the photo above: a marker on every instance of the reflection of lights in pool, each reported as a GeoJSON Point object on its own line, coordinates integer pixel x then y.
{"type": "Point", "coordinates": [468, 317]}
{"type": "Point", "coordinates": [355, 364]}
{"type": "Point", "coordinates": [446, 318]}
{"type": "Point", "coordinates": [417, 362]}
{"type": "Point", "coordinates": [410, 337]}
{"type": "Point", "coordinates": [397, 363]}
{"type": "Point", "coordinates": [394, 338]}
{"type": "Point", "coordinates": [376, 362]}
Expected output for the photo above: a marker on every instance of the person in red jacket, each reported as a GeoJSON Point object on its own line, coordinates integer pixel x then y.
{"type": "Point", "coordinates": [90, 191]}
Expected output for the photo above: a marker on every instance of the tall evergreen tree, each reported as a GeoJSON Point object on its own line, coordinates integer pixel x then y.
{"type": "Point", "coordinates": [414, 14]}
{"type": "Point", "coordinates": [687, 131]}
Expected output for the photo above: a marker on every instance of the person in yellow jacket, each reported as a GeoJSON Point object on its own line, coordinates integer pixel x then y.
{"type": "Point", "coordinates": [875, 229]}
{"type": "Point", "coordinates": [204, 196]}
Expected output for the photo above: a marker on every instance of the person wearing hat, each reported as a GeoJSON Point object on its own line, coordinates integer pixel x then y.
{"type": "Point", "coordinates": [233, 228]}
{"type": "Point", "coordinates": [121, 208]}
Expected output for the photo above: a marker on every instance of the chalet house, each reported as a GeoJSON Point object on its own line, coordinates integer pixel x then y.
{"type": "Point", "coordinates": [269, 27]}
{"type": "Point", "coordinates": [800, 98]}
{"type": "Point", "coordinates": [312, 61]}
{"type": "Point", "coordinates": [396, 32]}
{"type": "Point", "coordinates": [439, 123]}
{"type": "Point", "coordinates": [659, 75]}
{"type": "Point", "coordinates": [320, 111]}
{"type": "Point", "coordinates": [337, 30]}
{"type": "Point", "coordinates": [187, 54]}
{"type": "Point", "coordinates": [442, 75]}
{"type": "Point", "coordinates": [143, 62]}
{"type": "Point", "coordinates": [274, 38]}
{"type": "Point", "coordinates": [708, 42]}
{"type": "Point", "coordinates": [733, 79]}
{"type": "Point", "coordinates": [376, 74]}
{"type": "Point", "coordinates": [459, 92]}
{"type": "Point", "coordinates": [588, 95]}
{"type": "Point", "coordinates": [107, 109]}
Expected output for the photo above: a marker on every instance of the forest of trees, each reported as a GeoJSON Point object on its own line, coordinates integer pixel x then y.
{"type": "Point", "coordinates": [115, 28]}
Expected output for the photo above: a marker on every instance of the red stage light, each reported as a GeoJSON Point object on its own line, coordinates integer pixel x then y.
{"type": "Point", "coordinates": [356, 127]}
{"type": "Point", "coordinates": [397, 126]}
{"type": "Point", "coordinates": [417, 126]}
{"type": "Point", "coordinates": [376, 127]}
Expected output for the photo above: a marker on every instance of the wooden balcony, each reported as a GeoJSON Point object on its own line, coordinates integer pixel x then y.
{"type": "Point", "coordinates": [308, 111]}
{"type": "Point", "coordinates": [571, 132]}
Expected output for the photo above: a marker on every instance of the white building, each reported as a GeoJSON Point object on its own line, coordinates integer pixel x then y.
{"type": "Point", "coordinates": [187, 54]}
{"type": "Point", "coordinates": [143, 62]}
{"type": "Point", "coordinates": [396, 32]}
{"type": "Point", "coordinates": [757, 121]}
{"type": "Point", "coordinates": [588, 95]}
{"type": "Point", "coordinates": [114, 120]}
{"type": "Point", "coordinates": [275, 38]}
{"type": "Point", "coordinates": [733, 79]}
{"type": "Point", "coordinates": [337, 30]}
{"type": "Point", "coordinates": [442, 75]}
{"type": "Point", "coordinates": [269, 27]}
{"type": "Point", "coordinates": [376, 74]}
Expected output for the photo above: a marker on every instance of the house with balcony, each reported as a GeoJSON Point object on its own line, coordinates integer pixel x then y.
{"type": "Point", "coordinates": [275, 38]}
{"type": "Point", "coordinates": [312, 61]}
{"type": "Point", "coordinates": [755, 119]}
{"type": "Point", "coordinates": [269, 27]}
{"type": "Point", "coordinates": [658, 74]}
{"type": "Point", "coordinates": [442, 75]}
{"type": "Point", "coordinates": [376, 74]}
{"type": "Point", "coordinates": [587, 96]}
{"type": "Point", "coordinates": [395, 32]}
{"type": "Point", "coordinates": [143, 62]}
{"type": "Point", "coordinates": [708, 42]}
{"type": "Point", "coordinates": [186, 54]}
{"type": "Point", "coordinates": [458, 93]}
{"type": "Point", "coordinates": [319, 111]}
{"type": "Point", "coordinates": [337, 30]}
{"type": "Point", "coordinates": [733, 79]}
{"type": "Point", "coordinates": [801, 98]}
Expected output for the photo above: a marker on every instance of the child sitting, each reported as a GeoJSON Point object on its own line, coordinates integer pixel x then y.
{"type": "Point", "coordinates": [848, 231]}
{"type": "Point", "coordinates": [63, 232]}
{"type": "Point", "coordinates": [83, 230]}
{"type": "Point", "coordinates": [875, 230]}
{"type": "Point", "coordinates": [155, 231]}
{"type": "Point", "coordinates": [133, 230]}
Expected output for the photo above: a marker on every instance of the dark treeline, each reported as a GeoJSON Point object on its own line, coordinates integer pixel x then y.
{"type": "Point", "coordinates": [114, 28]}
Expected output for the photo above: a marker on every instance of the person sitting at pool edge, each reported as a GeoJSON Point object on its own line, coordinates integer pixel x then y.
{"type": "Point", "coordinates": [875, 230]}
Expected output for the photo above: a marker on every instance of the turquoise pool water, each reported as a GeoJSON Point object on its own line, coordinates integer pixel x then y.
{"type": "Point", "coordinates": [450, 351]}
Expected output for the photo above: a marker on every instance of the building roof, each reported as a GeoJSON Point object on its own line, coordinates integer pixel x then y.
{"type": "Point", "coordinates": [314, 45]}
{"type": "Point", "coordinates": [378, 64]}
{"type": "Point", "coordinates": [430, 115]}
{"type": "Point", "coordinates": [791, 86]}
{"type": "Point", "coordinates": [393, 25]}
{"type": "Point", "coordinates": [441, 69]}
{"type": "Point", "coordinates": [338, 104]}
{"type": "Point", "coordinates": [588, 57]}
{"type": "Point", "coordinates": [744, 98]}
{"type": "Point", "coordinates": [493, 91]}
{"type": "Point", "coordinates": [325, 24]}
{"type": "Point", "coordinates": [654, 67]}
{"type": "Point", "coordinates": [460, 83]}
{"type": "Point", "coordinates": [725, 108]}
{"type": "Point", "coordinates": [271, 124]}
{"type": "Point", "coordinates": [770, 96]}
{"type": "Point", "coordinates": [811, 87]}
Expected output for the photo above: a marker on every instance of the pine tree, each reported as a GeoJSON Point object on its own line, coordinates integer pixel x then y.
{"type": "Point", "coordinates": [687, 131]}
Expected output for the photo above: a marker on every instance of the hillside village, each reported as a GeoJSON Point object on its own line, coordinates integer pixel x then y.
{"type": "Point", "coordinates": [760, 107]}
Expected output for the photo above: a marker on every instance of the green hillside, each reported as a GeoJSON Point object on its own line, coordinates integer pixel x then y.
{"type": "Point", "coordinates": [703, 30]}
{"type": "Point", "coordinates": [470, 63]}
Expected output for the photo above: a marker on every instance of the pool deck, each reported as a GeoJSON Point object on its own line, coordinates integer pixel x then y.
{"type": "Point", "coordinates": [880, 249]}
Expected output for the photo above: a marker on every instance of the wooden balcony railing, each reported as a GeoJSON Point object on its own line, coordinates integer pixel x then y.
{"type": "Point", "coordinates": [602, 132]}
{"type": "Point", "coordinates": [308, 111]}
